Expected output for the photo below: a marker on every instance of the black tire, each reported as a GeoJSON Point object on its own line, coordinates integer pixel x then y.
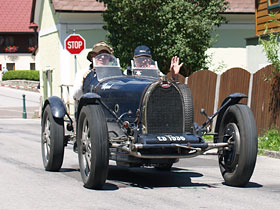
{"type": "Point", "coordinates": [238, 126]}
{"type": "Point", "coordinates": [164, 166]}
{"type": "Point", "coordinates": [188, 106]}
{"type": "Point", "coordinates": [93, 146]}
{"type": "Point", "coordinates": [52, 140]}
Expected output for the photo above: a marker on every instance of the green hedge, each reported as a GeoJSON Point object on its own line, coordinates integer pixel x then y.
{"type": "Point", "coordinates": [22, 75]}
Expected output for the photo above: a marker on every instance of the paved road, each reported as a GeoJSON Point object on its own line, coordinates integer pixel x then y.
{"type": "Point", "coordinates": [193, 183]}
{"type": "Point", "coordinates": [11, 103]}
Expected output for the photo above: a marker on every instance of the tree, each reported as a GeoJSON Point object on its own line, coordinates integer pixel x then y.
{"type": "Point", "coordinates": [168, 27]}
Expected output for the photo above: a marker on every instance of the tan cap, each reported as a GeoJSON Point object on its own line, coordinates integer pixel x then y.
{"type": "Point", "coordinates": [98, 47]}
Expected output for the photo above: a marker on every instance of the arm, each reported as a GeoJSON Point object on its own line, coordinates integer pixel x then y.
{"type": "Point", "coordinates": [175, 67]}
{"type": "Point", "coordinates": [78, 84]}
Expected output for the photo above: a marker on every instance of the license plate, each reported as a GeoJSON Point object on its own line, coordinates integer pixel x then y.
{"type": "Point", "coordinates": [171, 138]}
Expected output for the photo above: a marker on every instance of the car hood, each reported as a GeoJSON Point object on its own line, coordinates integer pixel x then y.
{"type": "Point", "coordinates": [123, 94]}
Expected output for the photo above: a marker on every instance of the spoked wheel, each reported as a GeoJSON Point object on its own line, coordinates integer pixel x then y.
{"type": "Point", "coordinates": [237, 161]}
{"type": "Point", "coordinates": [52, 141]}
{"type": "Point", "coordinates": [93, 147]}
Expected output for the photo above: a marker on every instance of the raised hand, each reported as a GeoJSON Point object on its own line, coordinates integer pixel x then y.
{"type": "Point", "coordinates": [175, 66]}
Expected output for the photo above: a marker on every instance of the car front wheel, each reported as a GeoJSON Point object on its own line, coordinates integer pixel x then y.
{"type": "Point", "coordinates": [237, 161]}
{"type": "Point", "coordinates": [93, 147]}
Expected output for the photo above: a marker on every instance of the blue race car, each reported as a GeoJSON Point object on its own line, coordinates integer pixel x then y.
{"type": "Point", "coordinates": [142, 119]}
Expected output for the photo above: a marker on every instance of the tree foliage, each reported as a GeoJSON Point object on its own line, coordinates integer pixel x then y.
{"type": "Point", "coordinates": [168, 27]}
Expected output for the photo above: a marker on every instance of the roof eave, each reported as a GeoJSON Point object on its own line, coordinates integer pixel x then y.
{"type": "Point", "coordinates": [238, 13]}
{"type": "Point", "coordinates": [78, 11]}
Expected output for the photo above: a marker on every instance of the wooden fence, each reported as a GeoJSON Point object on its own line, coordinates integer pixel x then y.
{"type": "Point", "coordinates": [210, 89]}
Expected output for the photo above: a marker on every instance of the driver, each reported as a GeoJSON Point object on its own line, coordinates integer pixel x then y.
{"type": "Point", "coordinates": [99, 48]}
{"type": "Point", "coordinates": [102, 59]}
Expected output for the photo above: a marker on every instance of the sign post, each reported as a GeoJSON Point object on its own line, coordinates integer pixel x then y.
{"type": "Point", "coordinates": [75, 44]}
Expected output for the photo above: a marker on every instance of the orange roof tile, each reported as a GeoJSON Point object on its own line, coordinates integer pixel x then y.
{"type": "Point", "coordinates": [241, 6]}
{"type": "Point", "coordinates": [15, 15]}
{"type": "Point", "coordinates": [78, 5]}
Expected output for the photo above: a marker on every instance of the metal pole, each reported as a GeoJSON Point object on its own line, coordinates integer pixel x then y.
{"type": "Point", "coordinates": [75, 58]}
{"type": "Point", "coordinates": [24, 108]}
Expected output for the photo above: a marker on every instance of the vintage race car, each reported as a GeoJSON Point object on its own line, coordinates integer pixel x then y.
{"type": "Point", "coordinates": [143, 119]}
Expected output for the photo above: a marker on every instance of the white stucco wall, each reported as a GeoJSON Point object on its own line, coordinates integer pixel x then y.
{"type": "Point", "coordinates": [256, 58]}
{"type": "Point", "coordinates": [223, 59]}
{"type": "Point", "coordinates": [21, 61]}
{"type": "Point", "coordinates": [229, 50]}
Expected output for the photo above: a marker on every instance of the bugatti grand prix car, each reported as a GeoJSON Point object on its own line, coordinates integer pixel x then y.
{"type": "Point", "coordinates": [143, 119]}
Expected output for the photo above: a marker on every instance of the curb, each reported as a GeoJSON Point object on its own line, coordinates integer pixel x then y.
{"type": "Point", "coordinates": [269, 153]}
{"type": "Point", "coordinates": [32, 88]}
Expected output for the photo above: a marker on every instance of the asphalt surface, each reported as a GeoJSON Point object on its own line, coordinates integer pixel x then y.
{"type": "Point", "coordinates": [193, 183]}
{"type": "Point", "coordinates": [11, 103]}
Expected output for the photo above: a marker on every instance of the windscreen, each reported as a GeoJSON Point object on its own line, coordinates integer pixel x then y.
{"type": "Point", "coordinates": [144, 66]}
{"type": "Point", "coordinates": [105, 59]}
{"type": "Point", "coordinates": [106, 65]}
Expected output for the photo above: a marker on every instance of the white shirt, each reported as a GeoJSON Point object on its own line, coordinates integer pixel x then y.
{"type": "Point", "coordinates": [78, 84]}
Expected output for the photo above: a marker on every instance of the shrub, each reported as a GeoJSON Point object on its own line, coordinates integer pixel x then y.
{"type": "Point", "coordinates": [22, 75]}
{"type": "Point", "coordinates": [270, 140]}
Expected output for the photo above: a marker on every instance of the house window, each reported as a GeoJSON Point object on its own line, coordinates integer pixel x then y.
{"type": "Point", "coordinates": [32, 41]}
{"type": "Point", "coordinates": [9, 41]}
{"type": "Point", "coordinates": [32, 66]}
{"type": "Point", "coordinates": [10, 66]}
{"type": "Point", "coordinates": [273, 4]}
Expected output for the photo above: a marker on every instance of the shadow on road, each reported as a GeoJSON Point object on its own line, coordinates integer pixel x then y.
{"type": "Point", "coordinates": [150, 178]}
{"type": "Point", "coordinates": [249, 185]}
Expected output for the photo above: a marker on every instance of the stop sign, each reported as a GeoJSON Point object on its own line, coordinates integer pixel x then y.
{"type": "Point", "coordinates": [75, 43]}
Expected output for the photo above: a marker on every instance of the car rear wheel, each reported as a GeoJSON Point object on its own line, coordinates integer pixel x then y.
{"type": "Point", "coordinates": [52, 140]}
{"type": "Point", "coordinates": [237, 161]}
{"type": "Point", "coordinates": [93, 147]}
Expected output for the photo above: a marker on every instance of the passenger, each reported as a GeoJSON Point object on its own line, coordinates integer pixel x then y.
{"type": "Point", "coordinates": [142, 58]}
{"type": "Point", "coordinates": [99, 48]}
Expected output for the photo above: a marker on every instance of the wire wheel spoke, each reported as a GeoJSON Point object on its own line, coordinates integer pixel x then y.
{"type": "Point", "coordinates": [86, 147]}
{"type": "Point", "coordinates": [47, 139]}
{"type": "Point", "coordinates": [229, 158]}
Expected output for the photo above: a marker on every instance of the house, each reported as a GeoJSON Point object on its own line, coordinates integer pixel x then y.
{"type": "Point", "coordinates": [263, 9]}
{"type": "Point", "coordinates": [18, 38]}
{"type": "Point", "coordinates": [229, 50]}
{"type": "Point", "coordinates": [256, 56]}
{"type": "Point", "coordinates": [57, 19]}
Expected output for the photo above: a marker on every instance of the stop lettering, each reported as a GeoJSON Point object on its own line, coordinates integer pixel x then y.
{"type": "Point", "coordinates": [75, 44]}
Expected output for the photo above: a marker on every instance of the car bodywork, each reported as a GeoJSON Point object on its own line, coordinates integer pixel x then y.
{"type": "Point", "coordinates": [147, 121]}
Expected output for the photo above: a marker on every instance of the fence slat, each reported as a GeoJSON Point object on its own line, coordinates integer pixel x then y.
{"type": "Point", "coordinates": [235, 80]}
{"type": "Point", "coordinates": [261, 100]}
{"type": "Point", "coordinates": [203, 86]}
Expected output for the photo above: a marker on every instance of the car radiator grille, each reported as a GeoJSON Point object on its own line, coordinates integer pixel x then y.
{"type": "Point", "coordinates": [164, 111]}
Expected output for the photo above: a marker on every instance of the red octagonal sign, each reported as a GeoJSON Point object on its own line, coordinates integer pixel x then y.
{"type": "Point", "coordinates": [75, 43]}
